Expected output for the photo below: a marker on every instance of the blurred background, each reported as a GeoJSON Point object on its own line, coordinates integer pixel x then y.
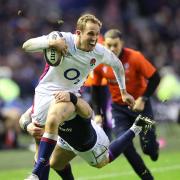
{"type": "Point", "coordinates": [151, 26]}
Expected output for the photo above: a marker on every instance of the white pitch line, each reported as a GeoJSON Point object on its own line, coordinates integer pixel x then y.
{"type": "Point", "coordinates": [161, 169]}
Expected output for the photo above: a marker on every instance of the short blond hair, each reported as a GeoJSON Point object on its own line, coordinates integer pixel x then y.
{"type": "Point", "coordinates": [81, 23]}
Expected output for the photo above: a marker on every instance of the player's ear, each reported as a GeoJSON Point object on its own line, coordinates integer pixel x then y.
{"type": "Point", "coordinates": [78, 32]}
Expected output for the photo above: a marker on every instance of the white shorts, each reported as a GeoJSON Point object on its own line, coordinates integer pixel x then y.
{"type": "Point", "coordinates": [41, 105]}
{"type": "Point", "coordinates": [95, 155]}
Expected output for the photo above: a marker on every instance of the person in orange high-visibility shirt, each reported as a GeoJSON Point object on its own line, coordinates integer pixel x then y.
{"type": "Point", "coordinates": [142, 79]}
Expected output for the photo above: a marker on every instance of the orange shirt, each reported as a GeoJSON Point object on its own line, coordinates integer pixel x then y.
{"type": "Point", "coordinates": [137, 70]}
{"type": "Point", "coordinates": [90, 81]}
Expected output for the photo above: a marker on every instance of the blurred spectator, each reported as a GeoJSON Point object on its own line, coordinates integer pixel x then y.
{"type": "Point", "coordinates": [9, 114]}
{"type": "Point", "coordinates": [169, 87]}
{"type": "Point", "coordinates": [9, 90]}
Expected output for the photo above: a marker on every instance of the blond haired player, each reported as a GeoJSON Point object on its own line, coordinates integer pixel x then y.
{"type": "Point", "coordinates": [82, 54]}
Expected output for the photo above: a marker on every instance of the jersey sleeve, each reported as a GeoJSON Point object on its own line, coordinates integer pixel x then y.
{"type": "Point", "coordinates": [67, 36]}
{"type": "Point", "coordinates": [144, 66]}
{"type": "Point", "coordinates": [111, 59]}
{"type": "Point", "coordinates": [37, 44]}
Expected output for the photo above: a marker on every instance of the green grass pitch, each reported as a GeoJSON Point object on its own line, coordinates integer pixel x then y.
{"type": "Point", "coordinates": [15, 165]}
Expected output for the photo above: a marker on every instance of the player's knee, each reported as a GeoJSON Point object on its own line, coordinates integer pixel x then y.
{"type": "Point", "coordinates": [52, 120]}
{"type": "Point", "coordinates": [53, 164]}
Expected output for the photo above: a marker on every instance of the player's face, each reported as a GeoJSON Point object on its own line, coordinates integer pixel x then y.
{"type": "Point", "coordinates": [87, 38]}
{"type": "Point", "coordinates": [114, 44]}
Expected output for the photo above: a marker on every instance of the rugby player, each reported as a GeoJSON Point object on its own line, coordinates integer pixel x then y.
{"type": "Point", "coordinates": [82, 54]}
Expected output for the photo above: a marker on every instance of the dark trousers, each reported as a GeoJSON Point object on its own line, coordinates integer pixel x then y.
{"type": "Point", "coordinates": [123, 119]}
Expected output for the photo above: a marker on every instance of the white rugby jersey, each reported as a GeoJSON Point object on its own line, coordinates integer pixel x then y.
{"type": "Point", "coordinates": [74, 68]}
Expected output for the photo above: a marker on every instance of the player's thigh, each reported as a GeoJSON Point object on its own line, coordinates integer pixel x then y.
{"type": "Point", "coordinates": [40, 107]}
{"type": "Point", "coordinates": [60, 158]}
{"type": "Point", "coordinates": [63, 110]}
{"type": "Point", "coordinates": [59, 112]}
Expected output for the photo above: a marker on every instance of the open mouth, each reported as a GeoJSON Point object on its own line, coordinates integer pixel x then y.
{"type": "Point", "coordinates": [92, 44]}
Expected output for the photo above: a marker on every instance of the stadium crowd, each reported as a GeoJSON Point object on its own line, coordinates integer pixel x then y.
{"type": "Point", "coordinates": [153, 27]}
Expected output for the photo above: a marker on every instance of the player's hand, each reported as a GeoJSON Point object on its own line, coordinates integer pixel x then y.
{"type": "Point", "coordinates": [62, 96]}
{"type": "Point", "coordinates": [35, 130]}
{"type": "Point", "coordinates": [60, 45]}
{"type": "Point", "coordinates": [127, 98]}
{"type": "Point", "coordinates": [98, 120]}
{"type": "Point", "coordinates": [139, 105]}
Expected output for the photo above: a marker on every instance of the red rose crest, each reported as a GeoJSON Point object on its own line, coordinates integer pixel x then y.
{"type": "Point", "coordinates": [93, 62]}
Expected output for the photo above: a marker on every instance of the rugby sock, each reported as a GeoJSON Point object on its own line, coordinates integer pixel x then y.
{"type": "Point", "coordinates": [45, 174]}
{"type": "Point", "coordinates": [66, 173]}
{"type": "Point", "coordinates": [119, 144]}
{"type": "Point", "coordinates": [46, 147]}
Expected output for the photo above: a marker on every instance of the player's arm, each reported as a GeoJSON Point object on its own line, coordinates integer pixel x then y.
{"type": "Point", "coordinates": [118, 69]}
{"type": "Point", "coordinates": [44, 42]}
{"type": "Point", "coordinates": [36, 44]}
{"type": "Point", "coordinates": [149, 72]}
{"type": "Point", "coordinates": [153, 82]}
{"type": "Point", "coordinates": [153, 78]}
{"type": "Point", "coordinates": [27, 125]}
{"type": "Point", "coordinates": [82, 107]}
{"type": "Point", "coordinates": [25, 120]}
